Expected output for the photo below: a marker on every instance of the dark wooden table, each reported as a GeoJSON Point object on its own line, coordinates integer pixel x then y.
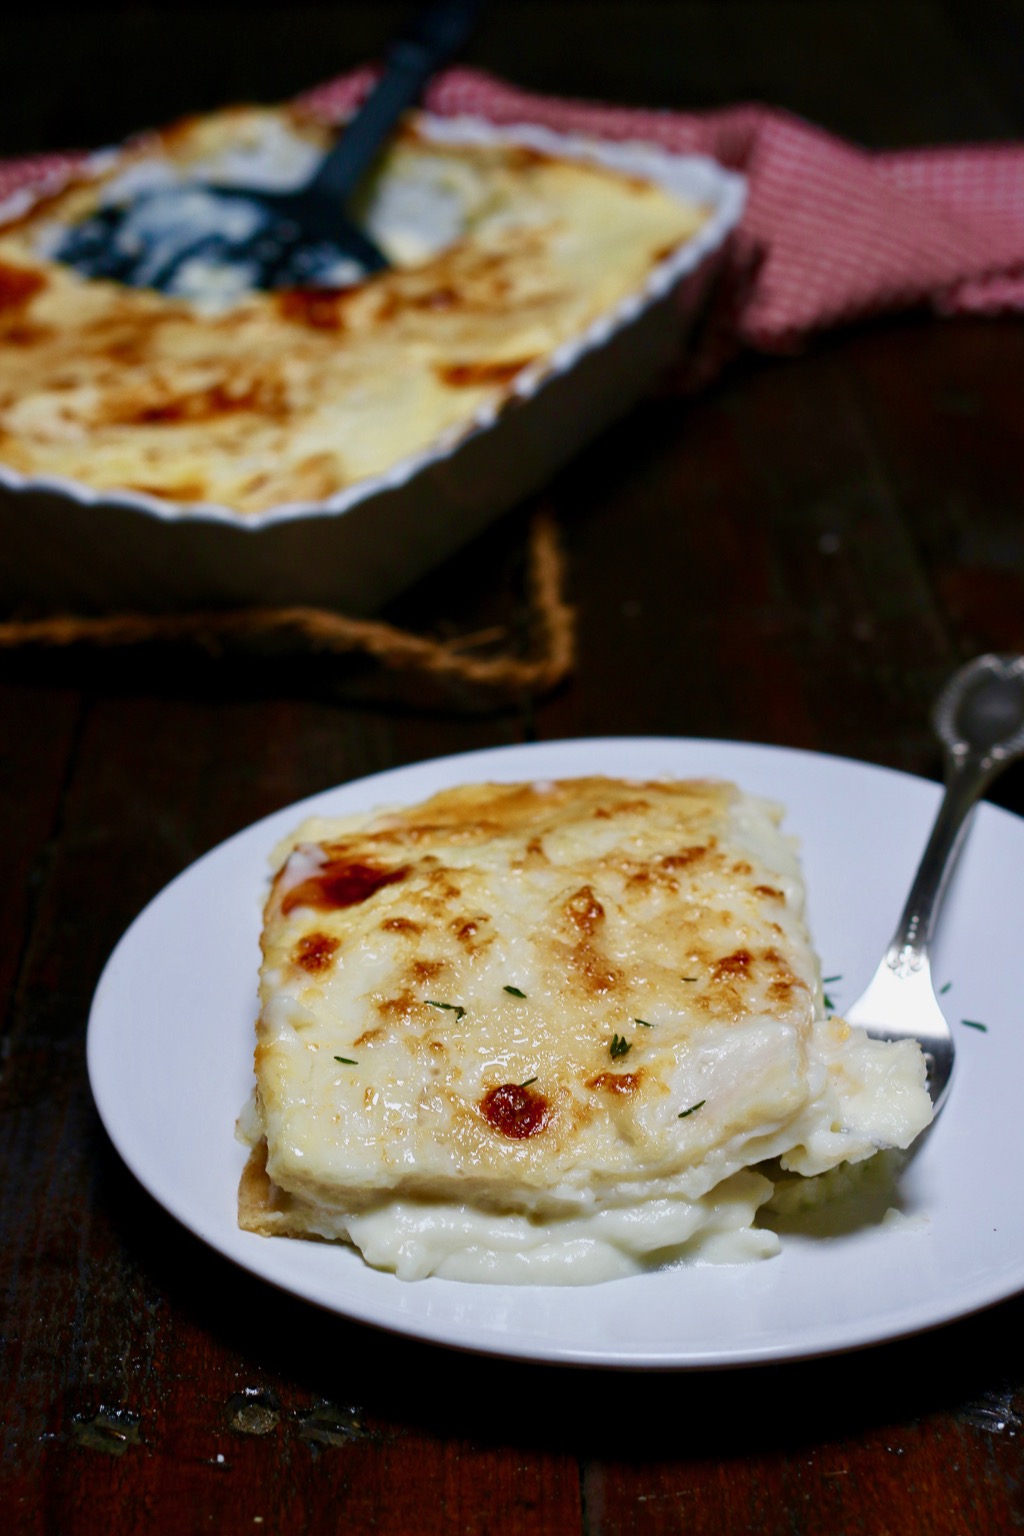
{"type": "Point", "coordinates": [799, 556]}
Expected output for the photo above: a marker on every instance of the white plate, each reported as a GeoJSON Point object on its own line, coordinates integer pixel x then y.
{"type": "Point", "coordinates": [65, 542]}
{"type": "Point", "coordinates": [170, 1049]}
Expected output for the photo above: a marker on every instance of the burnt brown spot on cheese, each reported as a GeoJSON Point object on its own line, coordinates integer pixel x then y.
{"type": "Point", "coordinates": [514, 1111]}
{"type": "Point", "coordinates": [441, 887]}
{"type": "Point", "coordinates": [427, 970]}
{"type": "Point", "coordinates": [532, 856]}
{"type": "Point", "coordinates": [110, 331]}
{"type": "Point", "coordinates": [770, 892]}
{"type": "Point", "coordinates": [479, 374]}
{"type": "Point", "coordinates": [588, 966]}
{"type": "Point", "coordinates": [401, 1007]}
{"type": "Point", "coordinates": [730, 966]}
{"type": "Point", "coordinates": [21, 334]}
{"type": "Point", "coordinates": [615, 1082]}
{"type": "Point", "coordinates": [684, 858]}
{"type": "Point", "coordinates": [157, 403]}
{"type": "Point", "coordinates": [472, 932]}
{"type": "Point", "coordinates": [784, 983]}
{"type": "Point", "coordinates": [525, 157]}
{"type": "Point", "coordinates": [592, 969]}
{"type": "Point", "coordinates": [132, 343]}
{"type": "Point", "coordinates": [314, 952]}
{"type": "Point", "coordinates": [340, 884]}
{"type": "Point", "coordinates": [647, 878]}
{"type": "Point", "coordinates": [584, 910]}
{"type": "Point", "coordinates": [442, 297]}
{"type": "Point", "coordinates": [621, 808]}
{"type": "Point", "coordinates": [466, 281]}
{"type": "Point", "coordinates": [323, 309]}
{"type": "Point", "coordinates": [742, 868]}
{"type": "Point", "coordinates": [126, 354]}
{"type": "Point", "coordinates": [406, 295]}
{"type": "Point", "coordinates": [119, 342]}
{"type": "Point", "coordinates": [401, 925]}
{"type": "Point", "coordinates": [18, 285]}
{"type": "Point", "coordinates": [368, 1036]}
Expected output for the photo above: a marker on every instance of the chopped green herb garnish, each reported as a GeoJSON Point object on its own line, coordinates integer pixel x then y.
{"type": "Point", "coordinates": [448, 1007]}
{"type": "Point", "coordinates": [514, 992]}
{"type": "Point", "coordinates": [945, 988]}
{"type": "Point", "coordinates": [527, 1082]}
{"type": "Point", "coordinates": [689, 978]}
{"type": "Point", "coordinates": [692, 1109]}
{"type": "Point", "coordinates": [620, 1046]}
{"type": "Point", "coordinates": [828, 979]}
{"type": "Point", "coordinates": [973, 1024]}
{"type": "Point", "coordinates": [346, 1061]}
{"type": "Point", "coordinates": [829, 1004]}
{"type": "Point", "coordinates": [644, 1023]}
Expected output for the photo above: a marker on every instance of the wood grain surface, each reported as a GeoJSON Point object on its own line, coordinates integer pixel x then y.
{"type": "Point", "coordinates": [800, 555]}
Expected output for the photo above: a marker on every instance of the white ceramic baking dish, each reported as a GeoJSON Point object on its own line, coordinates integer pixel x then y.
{"type": "Point", "coordinates": [64, 544]}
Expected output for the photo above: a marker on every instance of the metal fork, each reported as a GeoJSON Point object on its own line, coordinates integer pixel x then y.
{"type": "Point", "coordinates": [979, 718]}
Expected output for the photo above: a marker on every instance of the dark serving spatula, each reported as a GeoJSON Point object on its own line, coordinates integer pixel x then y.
{"type": "Point", "coordinates": [272, 239]}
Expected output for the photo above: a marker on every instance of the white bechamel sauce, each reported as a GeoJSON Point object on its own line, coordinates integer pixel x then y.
{"type": "Point", "coordinates": [413, 217]}
{"type": "Point", "coordinates": [902, 1222]}
{"type": "Point", "coordinates": [456, 1242]}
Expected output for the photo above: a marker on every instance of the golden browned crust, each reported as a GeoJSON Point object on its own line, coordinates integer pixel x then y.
{"type": "Point", "coordinates": [256, 1209]}
{"type": "Point", "coordinates": [262, 1207]}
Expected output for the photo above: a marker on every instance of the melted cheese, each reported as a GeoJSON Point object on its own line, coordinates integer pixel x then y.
{"type": "Point", "coordinates": [548, 1032]}
{"type": "Point", "coordinates": [248, 400]}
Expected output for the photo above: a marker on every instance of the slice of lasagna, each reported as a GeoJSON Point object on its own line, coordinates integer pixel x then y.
{"type": "Point", "coordinates": [551, 1032]}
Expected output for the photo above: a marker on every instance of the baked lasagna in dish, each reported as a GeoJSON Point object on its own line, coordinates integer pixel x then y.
{"type": "Point", "coordinates": [552, 1033]}
{"type": "Point", "coordinates": [216, 394]}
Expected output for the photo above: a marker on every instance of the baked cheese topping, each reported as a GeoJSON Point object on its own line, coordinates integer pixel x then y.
{"type": "Point", "coordinates": [247, 400]}
{"type": "Point", "coordinates": [551, 1032]}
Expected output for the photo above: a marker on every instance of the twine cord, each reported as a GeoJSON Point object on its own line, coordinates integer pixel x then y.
{"type": "Point", "coordinates": [549, 660]}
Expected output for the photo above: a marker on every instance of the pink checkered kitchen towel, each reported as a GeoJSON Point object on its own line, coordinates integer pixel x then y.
{"type": "Point", "coordinates": [831, 234]}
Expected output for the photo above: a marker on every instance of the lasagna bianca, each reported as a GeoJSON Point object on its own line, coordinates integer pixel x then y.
{"type": "Point", "coordinates": [215, 393]}
{"type": "Point", "coordinates": [551, 1032]}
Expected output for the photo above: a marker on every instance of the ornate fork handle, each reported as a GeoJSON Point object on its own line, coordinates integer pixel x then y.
{"type": "Point", "coordinates": [979, 717]}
